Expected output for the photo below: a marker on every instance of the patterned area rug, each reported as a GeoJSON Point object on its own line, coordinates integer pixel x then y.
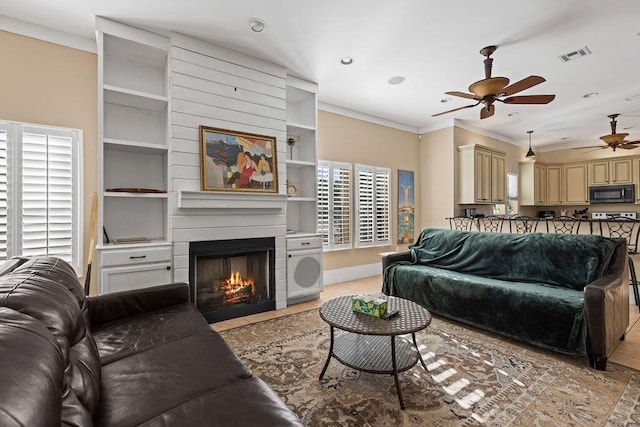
{"type": "Point", "coordinates": [473, 378]}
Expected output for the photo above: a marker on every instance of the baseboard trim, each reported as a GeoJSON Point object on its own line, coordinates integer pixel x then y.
{"type": "Point", "coordinates": [339, 275]}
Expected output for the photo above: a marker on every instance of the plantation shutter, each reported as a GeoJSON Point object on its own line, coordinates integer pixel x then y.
{"type": "Point", "coordinates": [373, 206]}
{"type": "Point", "coordinates": [383, 207]}
{"type": "Point", "coordinates": [47, 194]}
{"type": "Point", "coordinates": [334, 204]}
{"type": "Point", "coordinates": [341, 206]}
{"type": "Point", "coordinates": [323, 203]}
{"type": "Point", "coordinates": [4, 226]}
{"type": "Point", "coordinates": [40, 192]}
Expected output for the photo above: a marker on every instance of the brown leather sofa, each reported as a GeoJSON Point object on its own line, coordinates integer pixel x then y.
{"type": "Point", "coordinates": [144, 357]}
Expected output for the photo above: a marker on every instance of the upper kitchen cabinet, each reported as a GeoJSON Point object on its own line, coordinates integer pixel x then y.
{"type": "Point", "coordinates": [575, 189]}
{"type": "Point", "coordinates": [615, 171]}
{"type": "Point", "coordinates": [481, 175]}
{"type": "Point", "coordinates": [532, 183]}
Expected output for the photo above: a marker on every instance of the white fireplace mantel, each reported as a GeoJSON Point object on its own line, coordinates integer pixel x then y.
{"type": "Point", "coordinates": [227, 202]}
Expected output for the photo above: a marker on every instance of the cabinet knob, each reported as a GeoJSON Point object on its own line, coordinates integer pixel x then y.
{"type": "Point", "coordinates": [168, 267]}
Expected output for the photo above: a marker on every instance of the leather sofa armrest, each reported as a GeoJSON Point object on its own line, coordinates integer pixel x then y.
{"type": "Point", "coordinates": [118, 305]}
{"type": "Point", "coordinates": [394, 258]}
{"type": "Point", "coordinates": [606, 303]}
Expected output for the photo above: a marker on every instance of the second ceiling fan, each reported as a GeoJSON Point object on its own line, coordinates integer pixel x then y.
{"type": "Point", "coordinates": [491, 89]}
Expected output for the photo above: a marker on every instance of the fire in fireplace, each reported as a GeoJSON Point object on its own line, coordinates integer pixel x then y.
{"type": "Point", "coordinates": [232, 278]}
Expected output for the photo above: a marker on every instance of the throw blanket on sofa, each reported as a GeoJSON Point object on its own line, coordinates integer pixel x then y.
{"type": "Point", "coordinates": [529, 287]}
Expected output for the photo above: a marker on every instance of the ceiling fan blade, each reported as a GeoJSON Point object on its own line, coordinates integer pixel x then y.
{"type": "Point", "coordinates": [455, 109]}
{"type": "Point", "coordinates": [487, 111]}
{"type": "Point", "coordinates": [591, 146]}
{"type": "Point", "coordinates": [529, 99]}
{"type": "Point", "coordinates": [521, 85]}
{"type": "Point", "coordinates": [627, 146]}
{"type": "Point", "coordinates": [462, 95]}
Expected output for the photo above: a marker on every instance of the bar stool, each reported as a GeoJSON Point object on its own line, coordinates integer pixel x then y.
{"type": "Point", "coordinates": [620, 226]}
{"type": "Point", "coordinates": [563, 225]}
{"type": "Point", "coordinates": [463, 223]}
{"type": "Point", "coordinates": [491, 224]}
{"type": "Point", "coordinates": [523, 224]}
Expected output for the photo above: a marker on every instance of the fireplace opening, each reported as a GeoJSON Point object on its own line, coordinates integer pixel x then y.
{"type": "Point", "coordinates": [232, 278]}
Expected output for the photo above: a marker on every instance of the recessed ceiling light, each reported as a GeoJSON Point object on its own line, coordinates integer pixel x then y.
{"type": "Point", "coordinates": [347, 60]}
{"type": "Point", "coordinates": [627, 128]}
{"type": "Point", "coordinates": [256, 25]}
{"type": "Point", "coordinates": [396, 80]}
{"type": "Point", "coordinates": [564, 138]}
{"type": "Point", "coordinates": [515, 113]}
{"type": "Point", "coordinates": [590, 95]}
{"type": "Point", "coordinates": [633, 97]}
{"type": "Point", "coordinates": [446, 100]}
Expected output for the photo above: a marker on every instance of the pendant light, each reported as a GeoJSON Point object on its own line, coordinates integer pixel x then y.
{"type": "Point", "coordinates": [530, 153]}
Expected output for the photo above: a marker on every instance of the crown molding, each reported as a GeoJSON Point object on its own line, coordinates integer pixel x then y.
{"type": "Point", "coordinates": [28, 29]}
{"type": "Point", "coordinates": [330, 108]}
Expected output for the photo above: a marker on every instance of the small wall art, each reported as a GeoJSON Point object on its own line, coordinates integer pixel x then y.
{"type": "Point", "coordinates": [406, 206]}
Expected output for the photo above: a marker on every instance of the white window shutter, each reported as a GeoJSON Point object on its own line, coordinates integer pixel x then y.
{"type": "Point", "coordinates": [4, 225]}
{"type": "Point", "coordinates": [373, 206]}
{"type": "Point", "coordinates": [40, 186]}
{"type": "Point", "coordinates": [334, 204]}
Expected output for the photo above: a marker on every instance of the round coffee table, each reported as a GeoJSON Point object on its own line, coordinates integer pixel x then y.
{"type": "Point", "coordinates": [371, 344]}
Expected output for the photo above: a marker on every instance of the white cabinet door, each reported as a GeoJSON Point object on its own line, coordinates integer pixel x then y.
{"type": "Point", "coordinates": [124, 278]}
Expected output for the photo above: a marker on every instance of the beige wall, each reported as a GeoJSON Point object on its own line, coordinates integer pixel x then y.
{"type": "Point", "coordinates": [437, 177]}
{"type": "Point", "coordinates": [344, 139]}
{"type": "Point", "coordinates": [48, 84]}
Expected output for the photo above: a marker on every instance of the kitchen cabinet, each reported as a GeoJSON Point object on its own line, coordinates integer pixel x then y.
{"type": "Point", "coordinates": [554, 185]}
{"type": "Point", "coordinates": [532, 183]}
{"type": "Point", "coordinates": [481, 175]}
{"type": "Point", "coordinates": [575, 188]}
{"type": "Point", "coordinates": [615, 171]}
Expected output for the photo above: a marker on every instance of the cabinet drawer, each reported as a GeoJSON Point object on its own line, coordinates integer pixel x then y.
{"type": "Point", "coordinates": [135, 256]}
{"type": "Point", "coordinates": [304, 243]}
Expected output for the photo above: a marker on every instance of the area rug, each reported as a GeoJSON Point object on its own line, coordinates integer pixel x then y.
{"type": "Point", "coordinates": [473, 378]}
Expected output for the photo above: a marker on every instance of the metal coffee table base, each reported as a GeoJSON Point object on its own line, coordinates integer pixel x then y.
{"type": "Point", "coordinates": [377, 354]}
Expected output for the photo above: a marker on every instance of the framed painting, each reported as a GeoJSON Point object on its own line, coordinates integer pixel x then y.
{"type": "Point", "coordinates": [237, 161]}
{"type": "Point", "coordinates": [406, 206]}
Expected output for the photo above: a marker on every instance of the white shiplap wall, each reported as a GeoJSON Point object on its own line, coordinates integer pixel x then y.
{"type": "Point", "coordinates": [217, 87]}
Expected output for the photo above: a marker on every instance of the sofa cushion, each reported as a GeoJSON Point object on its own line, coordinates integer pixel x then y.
{"type": "Point", "coordinates": [144, 385]}
{"type": "Point", "coordinates": [223, 404]}
{"type": "Point", "coordinates": [124, 337]}
{"type": "Point", "coordinates": [31, 372]}
{"type": "Point", "coordinates": [53, 304]}
{"type": "Point", "coordinates": [571, 261]}
{"type": "Point", "coordinates": [551, 317]}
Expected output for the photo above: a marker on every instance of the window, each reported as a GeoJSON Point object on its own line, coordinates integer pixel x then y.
{"type": "Point", "coordinates": [512, 193]}
{"type": "Point", "coordinates": [373, 206]}
{"type": "Point", "coordinates": [334, 204]}
{"type": "Point", "coordinates": [40, 192]}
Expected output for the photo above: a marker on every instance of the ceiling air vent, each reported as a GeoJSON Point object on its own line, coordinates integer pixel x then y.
{"type": "Point", "coordinates": [575, 54]}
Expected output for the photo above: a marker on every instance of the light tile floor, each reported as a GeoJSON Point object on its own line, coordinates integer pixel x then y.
{"type": "Point", "coordinates": [627, 353]}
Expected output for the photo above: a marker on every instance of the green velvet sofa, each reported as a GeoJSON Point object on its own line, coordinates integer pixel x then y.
{"type": "Point", "coordinates": [567, 293]}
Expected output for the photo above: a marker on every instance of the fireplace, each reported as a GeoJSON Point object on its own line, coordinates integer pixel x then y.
{"type": "Point", "coordinates": [232, 278]}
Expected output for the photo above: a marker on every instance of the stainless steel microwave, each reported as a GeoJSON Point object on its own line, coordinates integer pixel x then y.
{"type": "Point", "coordinates": [612, 194]}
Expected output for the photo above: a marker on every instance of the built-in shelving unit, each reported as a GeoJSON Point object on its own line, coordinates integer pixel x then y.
{"type": "Point", "coordinates": [304, 244]}
{"type": "Point", "coordinates": [133, 151]}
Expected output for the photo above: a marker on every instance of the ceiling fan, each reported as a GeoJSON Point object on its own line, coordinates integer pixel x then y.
{"type": "Point", "coordinates": [491, 89]}
{"type": "Point", "coordinates": [615, 140]}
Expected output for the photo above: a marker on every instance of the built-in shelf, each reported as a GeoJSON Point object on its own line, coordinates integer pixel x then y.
{"type": "Point", "coordinates": [300, 163]}
{"type": "Point", "coordinates": [123, 144]}
{"type": "Point", "coordinates": [298, 128]}
{"type": "Point", "coordinates": [230, 201]}
{"type": "Point", "coordinates": [136, 195]}
{"type": "Point", "coordinates": [301, 199]}
{"type": "Point", "coordinates": [152, 243]}
{"type": "Point", "coordinates": [134, 98]}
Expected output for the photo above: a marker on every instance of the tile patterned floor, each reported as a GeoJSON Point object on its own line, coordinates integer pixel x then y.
{"type": "Point", "coordinates": [627, 353]}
